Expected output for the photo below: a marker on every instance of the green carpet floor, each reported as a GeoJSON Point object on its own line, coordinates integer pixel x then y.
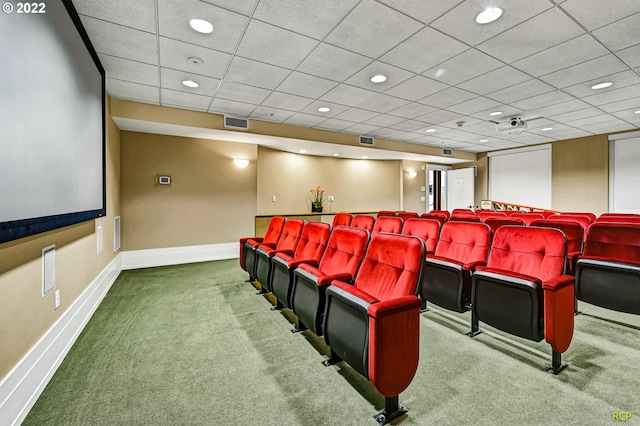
{"type": "Point", "coordinates": [194, 345]}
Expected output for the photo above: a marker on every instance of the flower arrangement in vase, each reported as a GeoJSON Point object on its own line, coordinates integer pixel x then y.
{"type": "Point", "coordinates": [316, 196]}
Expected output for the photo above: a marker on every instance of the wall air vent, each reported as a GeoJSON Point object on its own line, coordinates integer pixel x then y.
{"type": "Point", "coordinates": [366, 141]}
{"type": "Point", "coordinates": [447, 151]}
{"type": "Point", "coordinates": [236, 123]}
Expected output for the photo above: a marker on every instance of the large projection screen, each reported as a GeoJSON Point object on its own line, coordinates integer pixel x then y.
{"type": "Point", "coordinates": [624, 178]}
{"type": "Point", "coordinates": [52, 120]}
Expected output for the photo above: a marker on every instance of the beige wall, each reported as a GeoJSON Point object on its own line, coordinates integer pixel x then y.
{"type": "Point", "coordinates": [25, 315]}
{"type": "Point", "coordinates": [411, 187]}
{"type": "Point", "coordinates": [355, 184]}
{"type": "Point", "coordinates": [580, 174]}
{"type": "Point", "coordinates": [210, 200]}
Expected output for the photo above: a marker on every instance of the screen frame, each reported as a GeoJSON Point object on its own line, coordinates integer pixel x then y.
{"type": "Point", "coordinates": [16, 229]}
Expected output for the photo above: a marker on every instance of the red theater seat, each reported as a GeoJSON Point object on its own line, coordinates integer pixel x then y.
{"type": "Point", "coordinates": [619, 218]}
{"type": "Point", "coordinates": [584, 220]}
{"type": "Point", "coordinates": [313, 242]}
{"type": "Point", "coordinates": [528, 217]}
{"type": "Point", "coordinates": [249, 244]}
{"type": "Point", "coordinates": [484, 214]}
{"type": "Point", "coordinates": [496, 222]}
{"type": "Point", "coordinates": [428, 230]}
{"type": "Point", "coordinates": [463, 211]}
{"type": "Point", "coordinates": [446, 280]}
{"type": "Point", "coordinates": [286, 244]}
{"type": "Point", "coordinates": [407, 215]}
{"type": "Point", "coordinates": [608, 273]}
{"type": "Point", "coordinates": [575, 238]}
{"type": "Point", "coordinates": [374, 324]}
{"type": "Point", "coordinates": [363, 222]}
{"type": "Point", "coordinates": [524, 291]}
{"type": "Point", "coordinates": [588, 214]}
{"type": "Point", "coordinates": [342, 219]}
{"type": "Point", "coordinates": [464, 217]}
{"type": "Point", "coordinates": [446, 213]}
{"type": "Point", "coordinates": [386, 213]}
{"type": "Point", "coordinates": [440, 217]}
{"type": "Point", "coordinates": [392, 225]}
{"type": "Point", "coordinates": [341, 260]}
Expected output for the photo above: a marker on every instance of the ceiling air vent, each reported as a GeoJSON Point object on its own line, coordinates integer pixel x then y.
{"type": "Point", "coordinates": [366, 140]}
{"type": "Point", "coordinates": [236, 123]}
{"type": "Point", "coordinates": [447, 151]}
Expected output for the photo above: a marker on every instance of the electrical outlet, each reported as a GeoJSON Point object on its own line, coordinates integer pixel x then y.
{"type": "Point", "coordinates": [423, 198]}
{"type": "Point", "coordinates": [56, 296]}
{"type": "Point", "coordinates": [423, 189]}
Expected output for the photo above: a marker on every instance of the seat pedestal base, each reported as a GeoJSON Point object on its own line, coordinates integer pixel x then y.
{"type": "Point", "coordinates": [334, 359]}
{"type": "Point", "coordinates": [392, 410]}
{"type": "Point", "coordinates": [301, 327]}
{"type": "Point", "coordinates": [556, 364]}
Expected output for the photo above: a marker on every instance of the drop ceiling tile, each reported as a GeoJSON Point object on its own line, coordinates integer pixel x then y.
{"type": "Point", "coordinates": [428, 140]}
{"type": "Point", "coordinates": [286, 101]}
{"type": "Point", "coordinates": [447, 97]}
{"type": "Point", "coordinates": [548, 29]}
{"type": "Point", "coordinates": [408, 125]}
{"type": "Point", "coordinates": [233, 108]}
{"type": "Point", "coordinates": [335, 124]}
{"type": "Point", "coordinates": [174, 16]}
{"type": "Point", "coordinates": [363, 77]}
{"type": "Point", "coordinates": [632, 104]}
{"type": "Point", "coordinates": [507, 112]}
{"type": "Point", "coordinates": [561, 108]}
{"type": "Point", "coordinates": [416, 88]}
{"type": "Point", "coordinates": [271, 114]}
{"type": "Point", "coordinates": [263, 42]}
{"type": "Point", "coordinates": [459, 22]}
{"type": "Point", "coordinates": [348, 95]}
{"type": "Point", "coordinates": [439, 116]}
{"type": "Point", "coordinates": [418, 10]}
{"type": "Point", "coordinates": [360, 31]}
{"type": "Point", "coordinates": [564, 55]}
{"type": "Point", "coordinates": [615, 95]}
{"type": "Point", "coordinates": [630, 55]}
{"type": "Point", "coordinates": [577, 115]}
{"type": "Point", "coordinates": [140, 15]}
{"type": "Point", "coordinates": [620, 34]}
{"type": "Point", "coordinates": [244, 7]}
{"type": "Point", "coordinates": [466, 122]}
{"type": "Point", "coordinates": [123, 42]}
{"type": "Point", "coordinates": [185, 100]}
{"type": "Point", "coordinates": [571, 133]}
{"type": "Point", "coordinates": [172, 79]}
{"type": "Point", "coordinates": [590, 120]}
{"type": "Point", "coordinates": [457, 69]}
{"type": "Point", "coordinates": [309, 17]}
{"type": "Point", "coordinates": [306, 85]}
{"type": "Point", "coordinates": [242, 93]}
{"type": "Point", "coordinates": [495, 80]}
{"type": "Point", "coordinates": [412, 110]}
{"type": "Point", "coordinates": [356, 115]}
{"type": "Point", "coordinates": [333, 63]}
{"type": "Point", "coordinates": [255, 73]}
{"type": "Point", "coordinates": [133, 91]}
{"type": "Point", "coordinates": [386, 133]}
{"type": "Point", "coordinates": [546, 99]}
{"type": "Point", "coordinates": [383, 103]}
{"type": "Point", "coordinates": [589, 70]}
{"type": "Point", "coordinates": [384, 120]}
{"type": "Point", "coordinates": [132, 71]}
{"type": "Point", "coordinates": [424, 50]}
{"type": "Point", "coordinates": [597, 13]}
{"type": "Point", "coordinates": [620, 81]}
{"type": "Point", "coordinates": [629, 115]}
{"type": "Point", "coordinates": [307, 120]}
{"type": "Point", "coordinates": [175, 54]}
{"type": "Point", "coordinates": [406, 136]}
{"type": "Point", "coordinates": [312, 109]}
{"type": "Point", "coordinates": [474, 105]}
{"type": "Point", "coordinates": [519, 91]}
{"type": "Point", "coordinates": [362, 129]}
{"type": "Point", "coordinates": [615, 125]}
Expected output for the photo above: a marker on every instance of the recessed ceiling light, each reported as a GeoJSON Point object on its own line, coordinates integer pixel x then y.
{"type": "Point", "coordinates": [601, 85]}
{"type": "Point", "coordinates": [637, 112]}
{"type": "Point", "coordinates": [302, 151]}
{"type": "Point", "coordinates": [494, 113]}
{"type": "Point", "coordinates": [546, 129]}
{"type": "Point", "coordinates": [488, 15]}
{"type": "Point", "coordinates": [430, 130]}
{"type": "Point", "coordinates": [364, 157]}
{"type": "Point", "coordinates": [190, 83]}
{"type": "Point", "coordinates": [337, 154]}
{"type": "Point", "coordinates": [484, 140]}
{"type": "Point", "coordinates": [324, 109]}
{"type": "Point", "coordinates": [201, 26]}
{"type": "Point", "coordinates": [378, 78]}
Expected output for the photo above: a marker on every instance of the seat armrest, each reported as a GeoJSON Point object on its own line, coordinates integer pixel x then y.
{"type": "Point", "coordinates": [393, 306]}
{"type": "Point", "coordinates": [559, 308]}
{"type": "Point", "coordinates": [284, 257]}
{"type": "Point", "coordinates": [354, 291]}
{"type": "Point", "coordinates": [607, 260]}
{"type": "Point", "coordinates": [471, 266]}
{"type": "Point", "coordinates": [443, 263]}
{"type": "Point", "coordinates": [343, 293]}
{"type": "Point", "coordinates": [294, 263]}
{"type": "Point", "coordinates": [345, 277]}
{"type": "Point", "coordinates": [256, 239]}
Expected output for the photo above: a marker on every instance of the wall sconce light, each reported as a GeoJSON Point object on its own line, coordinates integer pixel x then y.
{"type": "Point", "coordinates": [412, 173]}
{"type": "Point", "coordinates": [240, 163]}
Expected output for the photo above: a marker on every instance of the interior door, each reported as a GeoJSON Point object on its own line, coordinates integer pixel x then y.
{"type": "Point", "coordinates": [460, 189]}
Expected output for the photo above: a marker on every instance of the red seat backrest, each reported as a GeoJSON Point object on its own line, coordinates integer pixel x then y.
{"type": "Point", "coordinates": [585, 221]}
{"type": "Point", "coordinates": [464, 242]}
{"type": "Point", "coordinates": [342, 219]}
{"type": "Point", "coordinates": [392, 225]}
{"type": "Point", "coordinates": [427, 230]}
{"type": "Point", "coordinates": [545, 213]}
{"type": "Point", "coordinates": [363, 222]}
{"type": "Point", "coordinates": [391, 267]}
{"type": "Point", "coordinates": [588, 214]}
{"type": "Point", "coordinates": [274, 230]}
{"type": "Point", "coordinates": [464, 211]}
{"type": "Point", "coordinates": [444, 212]}
{"type": "Point", "coordinates": [572, 229]}
{"type": "Point", "coordinates": [619, 219]}
{"type": "Point", "coordinates": [313, 241]}
{"type": "Point", "coordinates": [619, 242]}
{"type": "Point", "coordinates": [528, 217]}
{"type": "Point", "coordinates": [290, 234]}
{"type": "Point", "coordinates": [496, 222]}
{"type": "Point", "coordinates": [440, 217]}
{"type": "Point", "coordinates": [464, 217]}
{"type": "Point", "coordinates": [407, 215]}
{"type": "Point", "coordinates": [536, 252]}
{"type": "Point", "coordinates": [345, 250]}
{"type": "Point", "coordinates": [483, 214]}
{"type": "Point", "coordinates": [386, 213]}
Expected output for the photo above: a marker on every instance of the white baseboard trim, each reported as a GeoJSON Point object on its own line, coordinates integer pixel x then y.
{"type": "Point", "coordinates": [22, 387]}
{"type": "Point", "coordinates": [135, 259]}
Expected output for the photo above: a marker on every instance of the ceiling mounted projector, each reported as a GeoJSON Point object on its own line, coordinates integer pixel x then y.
{"type": "Point", "coordinates": [513, 125]}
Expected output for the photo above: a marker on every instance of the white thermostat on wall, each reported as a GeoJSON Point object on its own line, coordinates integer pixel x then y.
{"type": "Point", "coordinates": [164, 180]}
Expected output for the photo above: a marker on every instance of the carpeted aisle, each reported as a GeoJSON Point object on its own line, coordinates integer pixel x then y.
{"type": "Point", "coordinates": [194, 345]}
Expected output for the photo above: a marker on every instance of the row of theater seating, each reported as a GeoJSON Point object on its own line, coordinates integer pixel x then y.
{"type": "Point", "coordinates": [513, 278]}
